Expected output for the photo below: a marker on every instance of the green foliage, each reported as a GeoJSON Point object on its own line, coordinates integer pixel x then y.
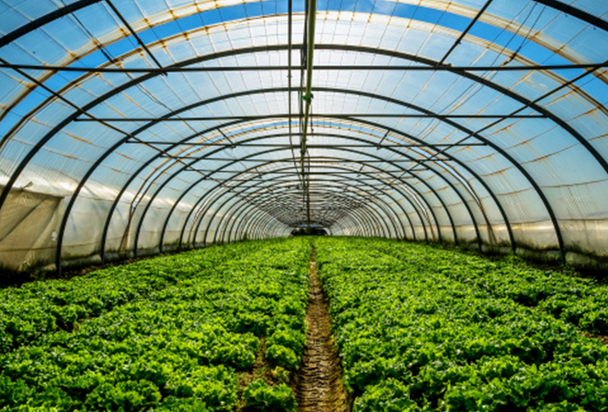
{"type": "Point", "coordinates": [421, 328]}
{"type": "Point", "coordinates": [282, 356]}
{"type": "Point", "coordinates": [288, 338]}
{"type": "Point", "coordinates": [390, 395]}
{"type": "Point", "coordinates": [281, 374]}
{"type": "Point", "coordinates": [166, 334]}
{"type": "Point", "coordinates": [283, 348]}
{"type": "Point", "coordinates": [259, 396]}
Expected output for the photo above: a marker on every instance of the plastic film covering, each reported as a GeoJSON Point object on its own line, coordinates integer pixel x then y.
{"type": "Point", "coordinates": [132, 127]}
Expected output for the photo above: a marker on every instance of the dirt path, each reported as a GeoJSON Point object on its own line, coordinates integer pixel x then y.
{"type": "Point", "coordinates": [319, 386]}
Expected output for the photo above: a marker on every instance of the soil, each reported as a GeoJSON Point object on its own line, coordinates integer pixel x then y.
{"type": "Point", "coordinates": [318, 384]}
{"type": "Point", "coordinates": [261, 370]}
{"type": "Point", "coordinates": [602, 338]}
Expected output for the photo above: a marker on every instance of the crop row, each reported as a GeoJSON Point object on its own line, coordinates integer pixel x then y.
{"type": "Point", "coordinates": [414, 339]}
{"type": "Point", "coordinates": [187, 346]}
{"type": "Point", "coordinates": [580, 301]}
{"type": "Point", "coordinates": [41, 307]}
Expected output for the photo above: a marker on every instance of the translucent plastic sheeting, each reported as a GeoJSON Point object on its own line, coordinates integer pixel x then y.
{"type": "Point", "coordinates": [146, 161]}
{"type": "Point", "coordinates": [27, 233]}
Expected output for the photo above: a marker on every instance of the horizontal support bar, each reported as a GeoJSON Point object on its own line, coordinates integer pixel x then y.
{"type": "Point", "coordinates": [328, 115]}
{"type": "Point", "coordinates": [291, 159]}
{"type": "Point", "coordinates": [312, 146]}
{"type": "Point", "coordinates": [308, 172]}
{"type": "Point", "coordinates": [444, 67]}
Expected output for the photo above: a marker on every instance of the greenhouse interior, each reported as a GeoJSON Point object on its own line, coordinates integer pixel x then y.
{"type": "Point", "coordinates": [311, 205]}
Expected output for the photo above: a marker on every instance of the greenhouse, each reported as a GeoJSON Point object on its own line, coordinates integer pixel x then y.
{"type": "Point", "coordinates": [419, 185]}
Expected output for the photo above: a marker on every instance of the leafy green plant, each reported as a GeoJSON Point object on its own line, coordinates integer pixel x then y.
{"type": "Point", "coordinates": [259, 396]}
{"type": "Point", "coordinates": [421, 328]}
{"type": "Point", "coordinates": [161, 334]}
{"type": "Point", "coordinates": [283, 356]}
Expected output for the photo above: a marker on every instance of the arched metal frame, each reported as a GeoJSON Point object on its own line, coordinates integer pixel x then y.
{"type": "Point", "coordinates": [367, 223]}
{"type": "Point", "coordinates": [551, 3]}
{"type": "Point", "coordinates": [261, 202]}
{"type": "Point", "coordinates": [394, 131]}
{"type": "Point", "coordinates": [366, 154]}
{"type": "Point", "coordinates": [235, 228]}
{"type": "Point", "coordinates": [237, 218]}
{"type": "Point", "coordinates": [383, 206]}
{"type": "Point", "coordinates": [242, 207]}
{"type": "Point", "coordinates": [274, 150]}
{"type": "Point", "coordinates": [519, 167]}
{"type": "Point", "coordinates": [270, 162]}
{"type": "Point", "coordinates": [371, 221]}
{"type": "Point", "coordinates": [349, 203]}
{"type": "Point", "coordinates": [80, 4]}
{"type": "Point", "coordinates": [172, 114]}
{"type": "Point", "coordinates": [388, 53]}
{"type": "Point", "coordinates": [393, 164]}
{"type": "Point", "coordinates": [245, 207]}
{"type": "Point", "coordinates": [362, 221]}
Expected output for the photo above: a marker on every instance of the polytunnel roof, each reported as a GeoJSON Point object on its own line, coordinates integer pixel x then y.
{"type": "Point", "coordinates": [159, 123]}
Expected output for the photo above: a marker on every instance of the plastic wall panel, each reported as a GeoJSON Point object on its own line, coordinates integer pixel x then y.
{"type": "Point", "coordinates": [83, 239]}
{"type": "Point", "coordinates": [417, 224]}
{"type": "Point", "coordinates": [587, 236]}
{"type": "Point", "coordinates": [119, 224]}
{"type": "Point", "coordinates": [28, 229]}
{"type": "Point", "coordinates": [13, 18]}
{"type": "Point", "coordinates": [535, 235]}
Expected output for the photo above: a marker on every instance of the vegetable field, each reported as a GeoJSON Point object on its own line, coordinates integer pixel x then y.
{"type": "Point", "coordinates": [421, 328]}
{"type": "Point", "coordinates": [417, 328]}
{"type": "Point", "coordinates": [168, 334]}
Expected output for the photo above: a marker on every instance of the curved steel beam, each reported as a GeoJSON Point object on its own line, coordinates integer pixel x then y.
{"type": "Point", "coordinates": [404, 104]}
{"type": "Point", "coordinates": [370, 95]}
{"type": "Point", "coordinates": [109, 215]}
{"type": "Point", "coordinates": [509, 94]}
{"type": "Point", "coordinates": [238, 213]}
{"type": "Point", "coordinates": [364, 217]}
{"type": "Point", "coordinates": [362, 221]}
{"type": "Point", "coordinates": [282, 180]}
{"type": "Point", "coordinates": [464, 202]}
{"type": "Point", "coordinates": [267, 224]}
{"type": "Point", "coordinates": [372, 156]}
{"type": "Point", "coordinates": [448, 121]}
{"type": "Point", "coordinates": [560, 6]}
{"type": "Point", "coordinates": [272, 191]}
{"type": "Point", "coordinates": [470, 76]}
{"type": "Point", "coordinates": [218, 196]}
{"type": "Point", "coordinates": [401, 55]}
{"type": "Point", "coordinates": [231, 215]}
{"type": "Point", "coordinates": [560, 122]}
{"type": "Point", "coordinates": [347, 200]}
{"type": "Point", "coordinates": [366, 222]}
{"type": "Point", "coordinates": [261, 220]}
{"type": "Point", "coordinates": [135, 174]}
{"type": "Point", "coordinates": [41, 21]}
{"type": "Point", "coordinates": [131, 179]}
{"type": "Point", "coordinates": [77, 5]}
{"type": "Point", "coordinates": [274, 150]}
{"type": "Point", "coordinates": [349, 150]}
{"type": "Point", "coordinates": [246, 208]}
{"type": "Point", "coordinates": [209, 206]}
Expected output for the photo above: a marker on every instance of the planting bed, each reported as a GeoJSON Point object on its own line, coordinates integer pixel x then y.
{"type": "Point", "coordinates": [421, 328]}
{"type": "Point", "coordinates": [307, 324]}
{"type": "Point", "coordinates": [172, 333]}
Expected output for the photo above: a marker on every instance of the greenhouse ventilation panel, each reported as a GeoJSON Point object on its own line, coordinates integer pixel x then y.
{"type": "Point", "coordinates": [132, 127]}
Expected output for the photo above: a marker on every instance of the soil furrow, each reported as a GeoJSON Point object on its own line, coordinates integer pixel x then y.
{"type": "Point", "coordinates": [319, 386]}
